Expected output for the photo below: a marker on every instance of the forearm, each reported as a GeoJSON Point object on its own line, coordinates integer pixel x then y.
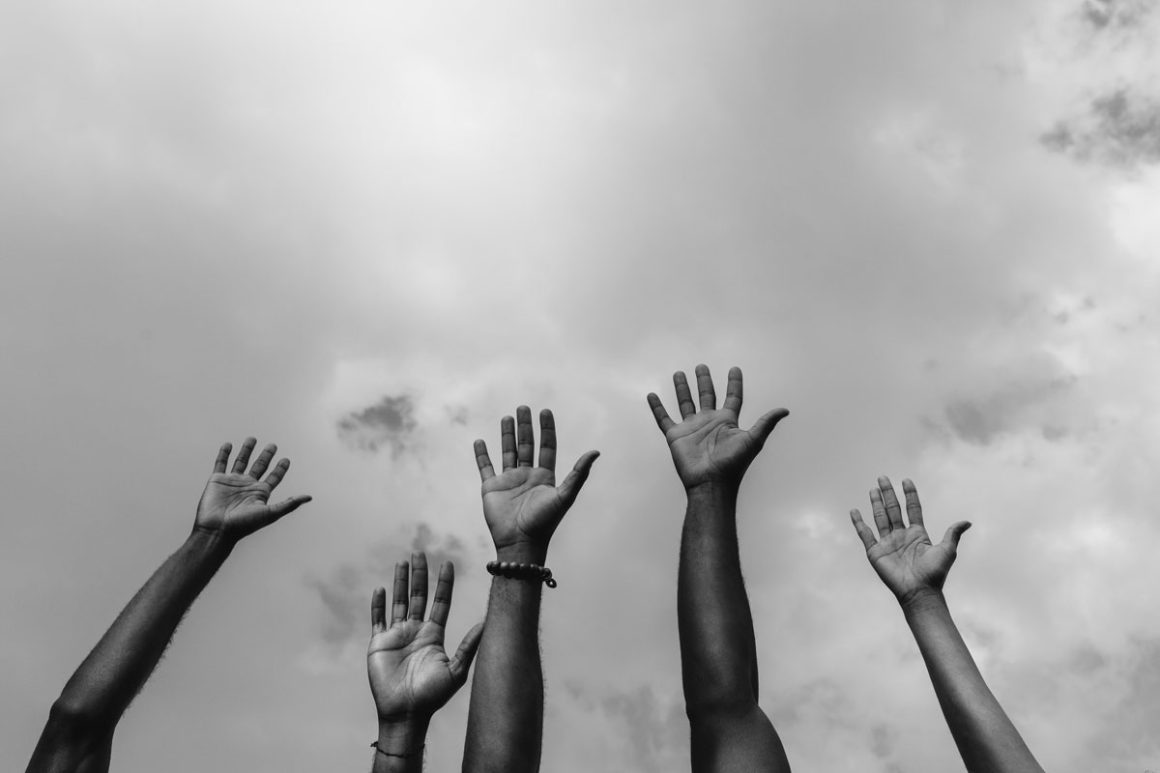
{"type": "Point", "coordinates": [505, 721]}
{"type": "Point", "coordinates": [986, 738]}
{"type": "Point", "coordinates": [400, 746]}
{"type": "Point", "coordinates": [718, 651]}
{"type": "Point", "coordinates": [112, 674]}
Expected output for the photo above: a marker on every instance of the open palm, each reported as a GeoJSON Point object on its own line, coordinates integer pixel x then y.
{"type": "Point", "coordinates": [236, 503]}
{"type": "Point", "coordinates": [522, 504]}
{"type": "Point", "coordinates": [409, 670]}
{"type": "Point", "coordinates": [709, 446]}
{"type": "Point", "coordinates": [908, 563]}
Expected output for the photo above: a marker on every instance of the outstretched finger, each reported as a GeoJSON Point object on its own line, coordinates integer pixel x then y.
{"type": "Point", "coordinates": [684, 396]}
{"type": "Point", "coordinates": [417, 607]}
{"type": "Point", "coordinates": [483, 461]}
{"type": "Point", "coordinates": [244, 455]}
{"type": "Point", "coordinates": [707, 397]}
{"type": "Point", "coordinates": [399, 593]}
{"type": "Point", "coordinates": [764, 425]}
{"type": "Point", "coordinates": [881, 520]}
{"type": "Point", "coordinates": [441, 606]}
{"type": "Point", "coordinates": [223, 457]}
{"type": "Point", "coordinates": [659, 413]}
{"type": "Point", "coordinates": [525, 438]}
{"type": "Point", "coordinates": [276, 475]}
{"type": "Point", "coordinates": [733, 391]}
{"type": "Point", "coordinates": [263, 461]}
{"type": "Point", "coordinates": [893, 509]}
{"type": "Point", "coordinates": [864, 531]}
{"type": "Point", "coordinates": [507, 436]}
{"type": "Point", "coordinates": [378, 610]}
{"type": "Point", "coordinates": [570, 488]}
{"type": "Point", "coordinates": [287, 506]}
{"type": "Point", "coordinates": [913, 506]}
{"type": "Point", "coordinates": [460, 664]}
{"type": "Point", "coordinates": [547, 441]}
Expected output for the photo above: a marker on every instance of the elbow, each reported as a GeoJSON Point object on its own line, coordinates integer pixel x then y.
{"type": "Point", "coordinates": [719, 706]}
{"type": "Point", "coordinates": [70, 736]}
{"type": "Point", "coordinates": [72, 719]}
{"type": "Point", "coordinates": [719, 692]}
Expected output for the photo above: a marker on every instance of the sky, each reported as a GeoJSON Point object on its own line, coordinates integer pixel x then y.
{"type": "Point", "coordinates": [367, 231]}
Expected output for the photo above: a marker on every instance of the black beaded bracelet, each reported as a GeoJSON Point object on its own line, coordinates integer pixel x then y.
{"type": "Point", "coordinates": [515, 571]}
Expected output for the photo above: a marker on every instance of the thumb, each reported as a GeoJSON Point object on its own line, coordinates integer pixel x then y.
{"type": "Point", "coordinates": [954, 533]}
{"type": "Point", "coordinates": [287, 506]}
{"type": "Point", "coordinates": [764, 425]}
{"type": "Point", "coordinates": [575, 480]}
{"type": "Point", "coordinates": [461, 663]}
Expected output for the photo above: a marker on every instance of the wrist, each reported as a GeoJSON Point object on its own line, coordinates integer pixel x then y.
{"type": "Point", "coordinates": [523, 553]}
{"type": "Point", "coordinates": [922, 600]}
{"type": "Point", "coordinates": [403, 735]}
{"type": "Point", "coordinates": [714, 492]}
{"type": "Point", "coordinates": [209, 541]}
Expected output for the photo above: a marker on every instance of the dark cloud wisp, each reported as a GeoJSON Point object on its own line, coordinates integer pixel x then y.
{"type": "Point", "coordinates": [1111, 14]}
{"type": "Point", "coordinates": [388, 423]}
{"type": "Point", "coordinates": [1121, 129]}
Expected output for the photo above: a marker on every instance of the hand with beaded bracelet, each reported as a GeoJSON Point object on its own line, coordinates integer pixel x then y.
{"type": "Point", "coordinates": [522, 506]}
{"type": "Point", "coordinates": [410, 674]}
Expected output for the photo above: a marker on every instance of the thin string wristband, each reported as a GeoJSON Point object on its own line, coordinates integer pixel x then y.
{"type": "Point", "coordinates": [517, 571]}
{"type": "Point", "coordinates": [419, 753]}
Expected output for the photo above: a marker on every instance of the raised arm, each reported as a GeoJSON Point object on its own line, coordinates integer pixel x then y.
{"type": "Point", "coordinates": [410, 674]}
{"type": "Point", "coordinates": [914, 570]}
{"type": "Point", "coordinates": [711, 452]}
{"type": "Point", "coordinates": [522, 506]}
{"type": "Point", "coordinates": [79, 733]}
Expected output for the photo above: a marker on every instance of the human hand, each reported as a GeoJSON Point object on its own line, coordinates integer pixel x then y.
{"type": "Point", "coordinates": [522, 505]}
{"type": "Point", "coordinates": [410, 673]}
{"type": "Point", "coordinates": [903, 556]}
{"type": "Point", "coordinates": [709, 447]}
{"type": "Point", "coordinates": [234, 503]}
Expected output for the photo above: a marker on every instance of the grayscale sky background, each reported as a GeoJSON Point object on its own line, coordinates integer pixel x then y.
{"type": "Point", "coordinates": [368, 230]}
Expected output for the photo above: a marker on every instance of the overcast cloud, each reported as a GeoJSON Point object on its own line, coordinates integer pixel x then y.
{"type": "Point", "coordinates": [368, 231]}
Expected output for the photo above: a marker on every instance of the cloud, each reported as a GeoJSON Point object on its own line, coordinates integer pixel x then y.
{"type": "Point", "coordinates": [389, 422]}
{"type": "Point", "coordinates": [1121, 129]}
{"type": "Point", "coordinates": [345, 592]}
{"type": "Point", "coordinates": [1010, 391]}
{"type": "Point", "coordinates": [1132, 724]}
{"type": "Point", "coordinates": [981, 420]}
{"type": "Point", "coordinates": [459, 415]}
{"type": "Point", "coordinates": [1113, 14]}
{"type": "Point", "coordinates": [651, 732]}
{"type": "Point", "coordinates": [1109, 699]}
{"type": "Point", "coordinates": [345, 599]}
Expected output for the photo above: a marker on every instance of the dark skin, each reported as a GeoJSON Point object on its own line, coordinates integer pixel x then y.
{"type": "Point", "coordinates": [410, 674]}
{"type": "Point", "coordinates": [729, 731]}
{"type": "Point", "coordinates": [79, 734]}
{"type": "Point", "coordinates": [522, 506]}
{"type": "Point", "coordinates": [915, 569]}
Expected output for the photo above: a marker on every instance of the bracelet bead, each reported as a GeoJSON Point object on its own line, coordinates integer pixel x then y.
{"type": "Point", "coordinates": [521, 571]}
